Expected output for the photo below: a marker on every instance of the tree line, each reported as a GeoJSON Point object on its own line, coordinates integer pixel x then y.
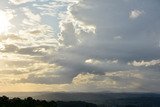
{"type": "Point", "coordinates": [30, 102]}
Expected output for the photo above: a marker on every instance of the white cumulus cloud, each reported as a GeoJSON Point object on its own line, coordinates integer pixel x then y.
{"type": "Point", "coordinates": [135, 14]}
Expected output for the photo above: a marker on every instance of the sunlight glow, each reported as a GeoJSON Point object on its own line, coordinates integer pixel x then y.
{"type": "Point", "coordinates": [4, 22]}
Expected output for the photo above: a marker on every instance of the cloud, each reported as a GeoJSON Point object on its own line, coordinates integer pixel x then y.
{"type": "Point", "coordinates": [145, 63]}
{"type": "Point", "coordinates": [11, 36]}
{"type": "Point", "coordinates": [18, 2]}
{"type": "Point", "coordinates": [96, 62]}
{"type": "Point", "coordinates": [92, 61]}
{"type": "Point", "coordinates": [116, 23]}
{"type": "Point", "coordinates": [135, 14]}
{"type": "Point", "coordinates": [98, 51]}
{"type": "Point", "coordinates": [6, 16]}
{"type": "Point", "coordinates": [26, 69]}
{"type": "Point", "coordinates": [82, 45]}
{"type": "Point", "coordinates": [9, 48]}
{"type": "Point", "coordinates": [67, 35]}
{"type": "Point", "coordinates": [117, 81]}
{"type": "Point", "coordinates": [22, 51]}
{"type": "Point", "coordinates": [50, 9]}
{"type": "Point", "coordinates": [37, 50]}
{"type": "Point", "coordinates": [42, 79]}
{"type": "Point", "coordinates": [71, 28]}
{"type": "Point", "coordinates": [31, 17]}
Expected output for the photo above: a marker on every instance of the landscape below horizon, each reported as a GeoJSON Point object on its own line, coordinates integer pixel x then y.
{"type": "Point", "coordinates": [102, 99]}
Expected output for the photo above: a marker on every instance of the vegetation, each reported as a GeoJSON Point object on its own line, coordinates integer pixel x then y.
{"type": "Point", "coordinates": [30, 102]}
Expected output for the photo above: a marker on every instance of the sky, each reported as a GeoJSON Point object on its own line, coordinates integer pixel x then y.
{"type": "Point", "coordinates": [80, 45]}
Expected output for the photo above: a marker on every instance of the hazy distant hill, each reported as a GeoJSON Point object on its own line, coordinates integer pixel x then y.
{"type": "Point", "coordinates": [98, 98]}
